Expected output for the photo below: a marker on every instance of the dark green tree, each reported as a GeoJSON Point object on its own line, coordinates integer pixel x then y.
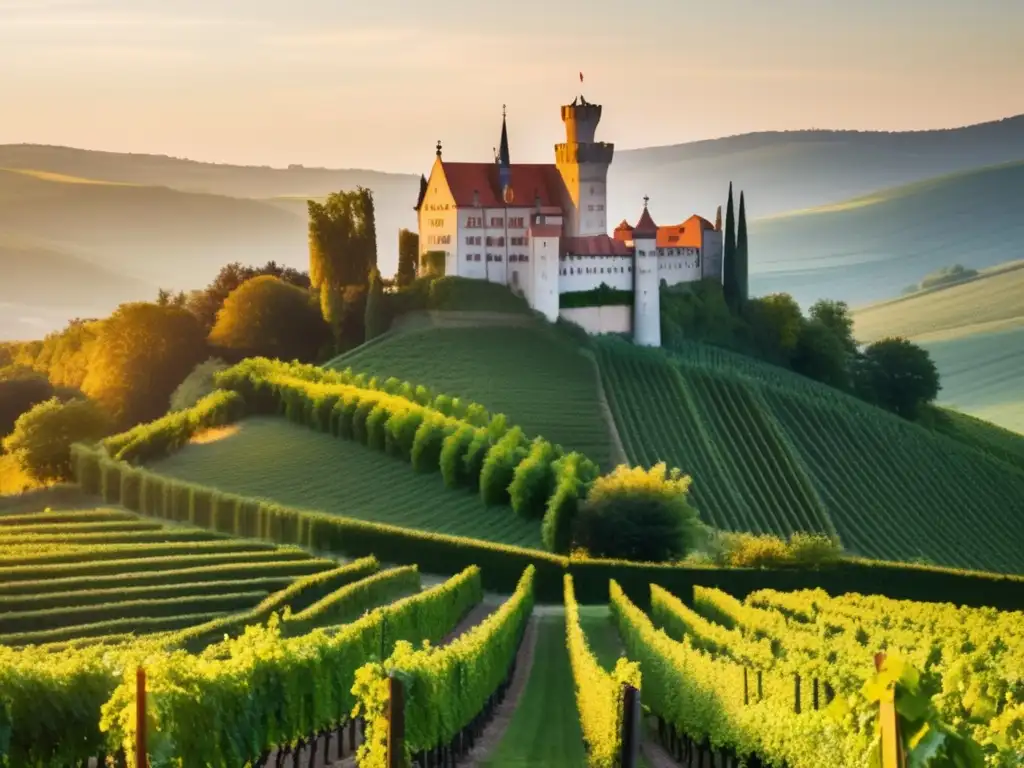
{"type": "Point", "coordinates": [267, 317]}
{"type": "Point", "coordinates": [43, 436]}
{"type": "Point", "coordinates": [205, 304]}
{"type": "Point", "coordinates": [20, 389]}
{"type": "Point", "coordinates": [897, 375]}
{"type": "Point", "coordinates": [742, 275]}
{"type": "Point", "coordinates": [835, 315]}
{"type": "Point", "coordinates": [408, 255]}
{"type": "Point", "coordinates": [729, 280]}
{"type": "Point", "coordinates": [775, 323]}
{"type": "Point", "coordinates": [376, 309]}
{"type": "Point", "coordinates": [820, 355]}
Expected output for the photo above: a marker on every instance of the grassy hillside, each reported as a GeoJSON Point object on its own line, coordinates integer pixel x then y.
{"type": "Point", "coordinates": [540, 380]}
{"type": "Point", "coordinates": [975, 334]}
{"type": "Point", "coordinates": [770, 451]}
{"type": "Point", "coordinates": [871, 247]}
{"type": "Point", "coordinates": [275, 459]}
{"type": "Point", "coordinates": [105, 573]}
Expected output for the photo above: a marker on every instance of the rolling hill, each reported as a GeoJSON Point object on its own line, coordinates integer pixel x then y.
{"type": "Point", "coordinates": [869, 248]}
{"type": "Point", "coordinates": [974, 332]}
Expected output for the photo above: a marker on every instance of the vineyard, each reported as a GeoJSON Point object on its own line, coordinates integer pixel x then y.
{"type": "Point", "coordinates": [540, 381]}
{"type": "Point", "coordinates": [772, 452]}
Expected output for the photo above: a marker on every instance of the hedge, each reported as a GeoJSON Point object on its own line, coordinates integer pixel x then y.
{"type": "Point", "coordinates": [602, 296]}
{"type": "Point", "coordinates": [502, 565]}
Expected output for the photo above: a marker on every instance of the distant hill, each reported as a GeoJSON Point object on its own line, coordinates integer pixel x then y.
{"type": "Point", "coordinates": [974, 331]}
{"type": "Point", "coordinates": [870, 248]}
{"type": "Point", "coordinates": [788, 170]}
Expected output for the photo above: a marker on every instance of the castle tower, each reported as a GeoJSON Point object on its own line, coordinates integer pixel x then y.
{"type": "Point", "coordinates": [504, 163]}
{"type": "Point", "coordinates": [583, 164]}
{"type": "Point", "coordinates": [646, 299]}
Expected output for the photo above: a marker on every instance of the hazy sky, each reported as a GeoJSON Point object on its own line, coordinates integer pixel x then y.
{"type": "Point", "coordinates": [376, 83]}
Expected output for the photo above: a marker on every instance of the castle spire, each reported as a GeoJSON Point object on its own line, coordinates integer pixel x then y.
{"type": "Point", "coordinates": [504, 164]}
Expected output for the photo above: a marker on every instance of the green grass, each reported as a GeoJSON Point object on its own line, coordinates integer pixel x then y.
{"type": "Point", "coordinates": [870, 248]}
{"type": "Point", "coordinates": [768, 455]}
{"type": "Point", "coordinates": [538, 379]}
{"type": "Point", "coordinates": [602, 636]}
{"type": "Point", "coordinates": [71, 575]}
{"type": "Point", "coordinates": [545, 729]}
{"type": "Point", "coordinates": [271, 458]}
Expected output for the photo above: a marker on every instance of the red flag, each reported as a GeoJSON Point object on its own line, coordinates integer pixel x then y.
{"type": "Point", "coordinates": [581, 77]}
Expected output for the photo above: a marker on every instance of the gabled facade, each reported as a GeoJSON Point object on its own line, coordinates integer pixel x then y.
{"type": "Point", "coordinates": [542, 230]}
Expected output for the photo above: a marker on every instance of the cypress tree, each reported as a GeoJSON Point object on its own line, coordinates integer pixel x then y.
{"type": "Point", "coordinates": [729, 277]}
{"type": "Point", "coordinates": [375, 320]}
{"type": "Point", "coordinates": [742, 266]}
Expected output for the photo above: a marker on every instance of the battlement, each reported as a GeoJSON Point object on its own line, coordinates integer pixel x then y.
{"type": "Point", "coordinates": [581, 119]}
{"type": "Point", "coordinates": [592, 153]}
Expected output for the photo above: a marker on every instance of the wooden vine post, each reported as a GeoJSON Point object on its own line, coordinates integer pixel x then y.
{"type": "Point", "coordinates": [141, 751]}
{"type": "Point", "coordinates": [396, 722]}
{"type": "Point", "coordinates": [630, 749]}
{"type": "Point", "coordinates": [892, 753]}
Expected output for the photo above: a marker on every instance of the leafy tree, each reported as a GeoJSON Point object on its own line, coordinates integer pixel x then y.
{"type": "Point", "coordinates": [696, 313]}
{"type": "Point", "coordinates": [206, 304]}
{"type": "Point", "coordinates": [142, 353]}
{"type": "Point", "coordinates": [820, 355]}
{"type": "Point", "coordinates": [376, 321]}
{"type": "Point", "coordinates": [640, 515]}
{"type": "Point", "coordinates": [42, 437]}
{"type": "Point", "coordinates": [408, 255]}
{"type": "Point", "coordinates": [342, 248]}
{"type": "Point", "coordinates": [729, 280]}
{"type": "Point", "coordinates": [742, 276]}
{"type": "Point", "coordinates": [351, 328]}
{"type": "Point", "coordinates": [775, 323]}
{"type": "Point", "coordinates": [20, 389]}
{"type": "Point", "coordinates": [835, 315]}
{"type": "Point", "coordinates": [267, 317]}
{"type": "Point", "coordinates": [197, 384]}
{"type": "Point", "coordinates": [898, 375]}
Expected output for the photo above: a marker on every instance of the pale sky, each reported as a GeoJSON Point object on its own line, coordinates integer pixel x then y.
{"type": "Point", "coordinates": [375, 84]}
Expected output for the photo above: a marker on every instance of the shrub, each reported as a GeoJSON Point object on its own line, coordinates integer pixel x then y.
{"type": "Point", "coordinates": [473, 460]}
{"type": "Point", "coordinates": [428, 443]}
{"type": "Point", "coordinates": [375, 427]}
{"type": "Point", "coordinates": [571, 474]}
{"type": "Point", "coordinates": [20, 389]}
{"type": "Point", "coordinates": [401, 432]}
{"type": "Point", "coordinates": [197, 384]}
{"type": "Point", "coordinates": [453, 452]}
{"type": "Point", "coordinates": [533, 480]}
{"type": "Point", "coordinates": [747, 550]}
{"type": "Point", "coordinates": [810, 550]}
{"type": "Point", "coordinates": [500, 465]}
{"type": "Point", "coordinates": [42, 437]}
{"type": "Point", "coordinates": [639, 514]}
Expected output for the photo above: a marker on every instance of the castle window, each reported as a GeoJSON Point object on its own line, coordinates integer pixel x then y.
{"type": "Point", "coordinates": [476, 257]}
{"type": "Point", "coordinates": [602, 270]}
{"type": "Point", "coordinates": [501, 241]}
{"type": "Point", "coordinates": [497, 257]}
{"type": "Point", "coordinates": [496, 221]}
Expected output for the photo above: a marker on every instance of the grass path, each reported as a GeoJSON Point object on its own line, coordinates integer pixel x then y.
{"type": "Point", "coordinates": [545, 730]}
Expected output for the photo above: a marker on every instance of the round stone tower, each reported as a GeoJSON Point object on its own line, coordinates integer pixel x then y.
{"type": "Point", "coordinates": [646, 286]}
{"type": "Point", "coordinates": [583, 164]}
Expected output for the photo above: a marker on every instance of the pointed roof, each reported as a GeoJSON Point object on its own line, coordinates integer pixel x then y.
{"type": "Point", "coordinates": [527, 181]}
{"type": "Point", "coordinates": [645, 227]}
{"type": "Point", "coordinates": [423, 192]}
{"type": "Point", "coordinates": [503, 157]}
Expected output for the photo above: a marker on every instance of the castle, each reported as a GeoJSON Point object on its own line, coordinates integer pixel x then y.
{"type": "Point", "coordinates": [542, 230]}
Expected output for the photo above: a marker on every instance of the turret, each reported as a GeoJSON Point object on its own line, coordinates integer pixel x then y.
{"type": "Point", "coordinates": [504, 163]}
{"type": "Point", "coordinates": [583, 164]}
{"type": "Point", "coordinates": [646, 298]}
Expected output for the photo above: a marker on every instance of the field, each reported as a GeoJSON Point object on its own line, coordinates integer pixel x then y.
{"type": "Point", "coordinates": [274, 459]}
{"type": "Point", "coordinates": [106, 573]}
{"type": "Point", "coordinates": [772, 452]}
{"type": "Point", "coordinates": [974, 332]}
{"type": "Point", "coordinates": [539, 380]}
{"type": "Point", "coordinates": [871, 247]}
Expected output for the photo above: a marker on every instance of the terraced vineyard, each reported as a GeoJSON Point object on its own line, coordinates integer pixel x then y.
{"type": "Point", "coordinates": [771, 454]}
{"type": "Point", "coordinates": [271, 458]}
{"type": "Point", "coordinates": [539, 380]}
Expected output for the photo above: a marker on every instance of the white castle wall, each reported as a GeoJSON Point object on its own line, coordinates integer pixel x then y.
{"type": "Point", "coordinates": [712, 263]}
{"type": "Point", "coordinates": [678, 265]}
{"type": "Point", "coordinates": [646, 300]}
{"type": "Point", "coordinates": [544, 273]}
{"type": "Point", "coordinates": [613, 319]}
{"type": "Point", "coordinates": [438, 226]}
{"type": "Point", "coordinates": [584, 273]}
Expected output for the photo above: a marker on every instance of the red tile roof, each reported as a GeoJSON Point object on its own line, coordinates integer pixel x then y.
{"type": "Point", "coordinates": [595, 245]}
{"type": "Point", "coordinates": [646, 226]}
{"type": "Point", "coordinates": [528, 180]}
{"type": "Point", "coordinates": [545, 230]}
{"type": "Point", "coordinates": [689, 234]}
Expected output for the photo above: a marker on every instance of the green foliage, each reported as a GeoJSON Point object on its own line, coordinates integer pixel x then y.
{"type": "Point", "coordinates": [269, 317]}
{"type": "Point", "coordinates": [377, 319]}
{"type": "Point", "coordinates": [602, 296]}
{"type": "Point", "coordinates": [533, 481]}
{"type": "Point", "coordinates": [572, 476]}
{"type": "Point", "coordinates": [897, 375]}
{"type": "Point", "coordinates": [433, 263]}
{"type": "Point", "coordinates": [445, 688]}
{"type": "Point", "coordinates": [42, 437]}
{"type": "Point", "coordinates": [775, 324]}
{"type": "Point", "coordinates": [146, 442]}
{"type": "Point", "coordinates": [639, 514]}
{"type": "Point", "coordinates": [742, 273]}
{"type": "Point", "coordinates": [197, 384]}
{"type": "Point", "coordinates": [730, 278]}
{"type": "Point", "coordinates": [803, 550]}
{"type": "Point", "coordinates": [20, 389]}
{"type": "Point", "coordinates": [143, 352]}
{"type": "Point", "coordinates": [408, 255]}
{"type": "Point", "coordinates": [696, 312]}
{"type": "Point", "coordinates": [205, 304]}
{"type": "Point", "coordinates": [499, 466]}
{"type": "Point", "coordinates": [821, 355]}
{"type": "Point", "coordinates": [351, 601]}
{"type": "Point", "coordinates": [835, 315]}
